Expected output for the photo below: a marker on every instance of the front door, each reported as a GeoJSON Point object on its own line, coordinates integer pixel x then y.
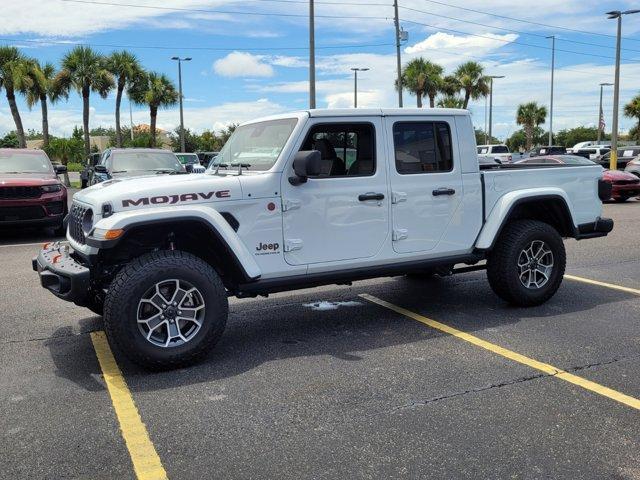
{"type": "Point", "coordinates": [426, 182]}
{"type": "Point", "coordinates": [342, 214]}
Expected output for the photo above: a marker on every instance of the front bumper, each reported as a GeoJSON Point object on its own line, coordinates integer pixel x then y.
{"type": "Point", "coordinates": [628, 191]}
{"type": "Point", "coordinates": [61, 274]}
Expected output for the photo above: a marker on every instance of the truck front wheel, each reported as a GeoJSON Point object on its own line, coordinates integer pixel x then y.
{"type": "Point", "coordinates": [165, 309]}
{"type": "Point", "coordinates": [527, 263]}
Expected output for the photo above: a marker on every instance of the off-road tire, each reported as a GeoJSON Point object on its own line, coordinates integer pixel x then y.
{"type": "Point", "coordinates": [128, 287]}
{"type": "Point", "coordinates": [502, 262]}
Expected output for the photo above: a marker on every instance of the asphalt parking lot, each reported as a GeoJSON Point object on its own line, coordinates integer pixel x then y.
{"type": "Point", "coordinates": [339, 382]}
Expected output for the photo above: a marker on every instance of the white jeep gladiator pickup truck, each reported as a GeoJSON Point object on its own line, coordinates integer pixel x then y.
{"type": "Point", "coordinates": [311, 198]}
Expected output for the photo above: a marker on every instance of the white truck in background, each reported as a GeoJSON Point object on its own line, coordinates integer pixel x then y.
{"type": "Point", "coordinates": [494, 154]}
{"type": "Point", "coordinates": [312, 198]}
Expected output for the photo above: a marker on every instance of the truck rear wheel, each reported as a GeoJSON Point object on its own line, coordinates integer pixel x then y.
{"type": "Point", "coordinates": [527, 263]}
{"type": "Point", "coordinates": [165, 310]}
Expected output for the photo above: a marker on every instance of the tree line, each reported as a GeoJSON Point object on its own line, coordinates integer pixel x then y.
{"type": "Point", "coordinates": [87, 72]}
{"type": "Point", "coordinates": [468, 81]}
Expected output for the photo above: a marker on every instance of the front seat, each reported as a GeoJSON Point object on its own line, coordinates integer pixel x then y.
{"type": "Point", "coordinates": [330, 163]}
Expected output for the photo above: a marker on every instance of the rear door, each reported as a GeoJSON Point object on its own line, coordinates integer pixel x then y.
{"type": "Point", "coordinates": [426, 181]}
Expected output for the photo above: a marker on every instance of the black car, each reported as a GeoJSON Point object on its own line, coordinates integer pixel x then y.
{"type": "Point", "coordinates": [133, 162]}
{"type": "Point", "coordinates": [625, 155]}
{"type": "Point", "coordinates": [552, 150]}
{"type": "Point", "coordinates": [206, 157]}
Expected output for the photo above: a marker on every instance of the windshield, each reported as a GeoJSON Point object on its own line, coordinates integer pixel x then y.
{"type": "Point", "coordinates": [24, 162]}
{"type": "Point", "coordinates": [256, 146]}
{"type": "Point", "coordinates": [187, 158]}
{"type": "Point", "coordinates": [132, 161]}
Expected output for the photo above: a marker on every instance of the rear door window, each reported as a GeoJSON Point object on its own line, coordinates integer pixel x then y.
{"type": "Point", "coordinates": [422, 147]}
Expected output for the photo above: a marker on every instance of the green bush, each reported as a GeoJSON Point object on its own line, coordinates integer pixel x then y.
{"type": "Point", "coordinates": [74, 167]}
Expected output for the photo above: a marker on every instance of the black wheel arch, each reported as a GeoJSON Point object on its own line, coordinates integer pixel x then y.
{"type": "Point", "coordinates": [190, 234]}
{"type": "Point", "coordinates": [550, 209]}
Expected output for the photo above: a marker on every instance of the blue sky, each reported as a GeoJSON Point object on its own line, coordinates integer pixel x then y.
{"type": "Point", "coordinates": [246, 66]}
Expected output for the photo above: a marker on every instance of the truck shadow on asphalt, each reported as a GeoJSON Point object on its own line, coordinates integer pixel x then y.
{"type": "Point", "coordinates": [306, 324]}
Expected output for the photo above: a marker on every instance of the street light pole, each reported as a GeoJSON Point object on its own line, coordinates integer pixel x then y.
{"type": "Point", "coordinates": [491, 105]}
{"type": "Point", "coordinates": [601, 113]}
{"type": "Point", "coordinates": [398, 59]}
{"type": "Point", "coordinates": [312, 56]}
{"type": "Point", "coordinates": [613, 162]}
{"type": "Point", "coordinates": [553, 67]}
{"type": "Point", "coordinates": [180, 60]}
{"type": "Point", "coordinates": [355, 84]}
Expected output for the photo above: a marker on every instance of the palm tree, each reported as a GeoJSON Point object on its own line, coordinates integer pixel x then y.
{"type": "Point", "coordinates": [422, 77]}
{"type": "Point", "coordinates": [156, 91]}
{"type": "Point", "coordinates": [15, 76]}
{"type": "Point", "coordinates": [84, 70]}
{"type": "Point", "coordinates": [450, 86]}
{"type": "Point", "coordinates": [125, 67]}
{"type": "Point", "coordinates": [450, 101]}
{"type": "Point", "coordinates": [530, 115]}
{"type": "Point", "coordinates": [632, 109]}
{"type": "Point", "coordinates": [42, 89]}
{"type": "Point", "coordinates": [472, 81]}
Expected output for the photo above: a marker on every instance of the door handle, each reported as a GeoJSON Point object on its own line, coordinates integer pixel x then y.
{"type": "Point", "coordinates": [443, 191]}
{"type": "Point", "coordinates": [370, 196]}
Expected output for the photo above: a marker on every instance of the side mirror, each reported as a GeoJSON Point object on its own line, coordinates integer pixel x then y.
{"type": "Point", "coordinates": [100, 169]}
{"type": "Point", "coordinates": [188, 167]}
{"type": "Point", "coordinates": [306, 164]}
{"type": "Point", "coordinates": [59, 169]}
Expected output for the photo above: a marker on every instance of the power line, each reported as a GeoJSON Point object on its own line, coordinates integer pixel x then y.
{"type": "Point", "coordinates": [16, 42]}
{"type": "Point", "coordinates": [510, 29]}
{"type": "Point", "coordinates": [509, 41]}
{"type": "Point", "coordinates": [584, 32]}
{"type": "Point", "coordinates": [224, 12]}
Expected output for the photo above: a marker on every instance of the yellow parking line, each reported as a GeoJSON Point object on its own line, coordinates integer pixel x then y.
{"type": "Point", "coordinates": [146, 462]}
{"type": "Point", "coordinates": [516, 357]}
{"type": "Point", "coordinates": [603, 284]}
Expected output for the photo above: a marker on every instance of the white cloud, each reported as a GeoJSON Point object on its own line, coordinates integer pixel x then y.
{"type": "Point", "coordinates": [242, 64]}
{"type": "Point", "coordinates": [470, 44]}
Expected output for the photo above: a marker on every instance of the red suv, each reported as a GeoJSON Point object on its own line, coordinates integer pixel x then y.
{"type": "Point", "coordinates": [30, 192]}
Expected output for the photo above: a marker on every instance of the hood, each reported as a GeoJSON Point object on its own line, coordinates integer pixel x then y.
{"type": "Point", "coordinates": [158, 190]}
{"type": "Point", "coordinates": [612, 175]}
{"type": "Point", "coordinates": [27, 179]}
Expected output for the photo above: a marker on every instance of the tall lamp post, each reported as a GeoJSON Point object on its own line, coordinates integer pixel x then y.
{"type": "Point", "coordinates": [180, 60]}
{"type": "Point", "coordinates": [553, 68]}
{"type": "Point", "coordinates": [355, 84]}
{"type": "Point", "coordinates": [613, 162]}
{"type": "Point", "coordinates": [601, 113]}
{"type": "Point", "coordinates": [491, 104]}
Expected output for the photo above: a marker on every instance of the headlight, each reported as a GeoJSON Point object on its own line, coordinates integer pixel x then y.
{"type": "Point", "coordinates": [87, 222]}
{"type": "Point", "coordinates": [51, 188]}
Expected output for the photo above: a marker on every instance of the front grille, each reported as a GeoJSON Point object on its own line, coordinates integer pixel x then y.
{"type": "Point", "coordinates": [11, 214]}
{"type": "Point", "coordinates": [7, 193]}
{"type": "Point", "coordinates": [75, 222]}
{"type": "Point", "coordinates": [626, 182]}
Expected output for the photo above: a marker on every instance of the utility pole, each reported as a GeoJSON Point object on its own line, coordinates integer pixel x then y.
{"type": "Point", "coordinates": [491, 105]}
{"type": "Point", "coordinates": [486, 131]}
{"type": "Point", "coordinates": [601, 114]}
{"type": "Point", "coordinates": [180, 60]}
{"type": "Point", "coordinates": [355, 84]}
{"type": "Point", "coordinates": [613, 162]}
{"type": "Point", "coordinates": [312, 57]}
{"type": "Point", "coordinates": [553, 67]}
{"type": "Point", "coordinates": [398, 59]}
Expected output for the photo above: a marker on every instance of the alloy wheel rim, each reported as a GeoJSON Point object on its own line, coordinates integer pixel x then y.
{"type": "Point", "coordinates": [170, 313]}
{"type": "Point", "coordinates": [535, 265]}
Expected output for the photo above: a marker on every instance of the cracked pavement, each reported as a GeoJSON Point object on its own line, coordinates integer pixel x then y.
{"type": "Point", "coordinates": [349, 390]}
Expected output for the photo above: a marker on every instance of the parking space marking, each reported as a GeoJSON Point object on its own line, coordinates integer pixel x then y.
{"type": "Point", "coordinates": [146, 462]}
{"type": "Point", "coordinates": [516, 357]}
{"type": "Point", "coordinates": [613, 286]}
